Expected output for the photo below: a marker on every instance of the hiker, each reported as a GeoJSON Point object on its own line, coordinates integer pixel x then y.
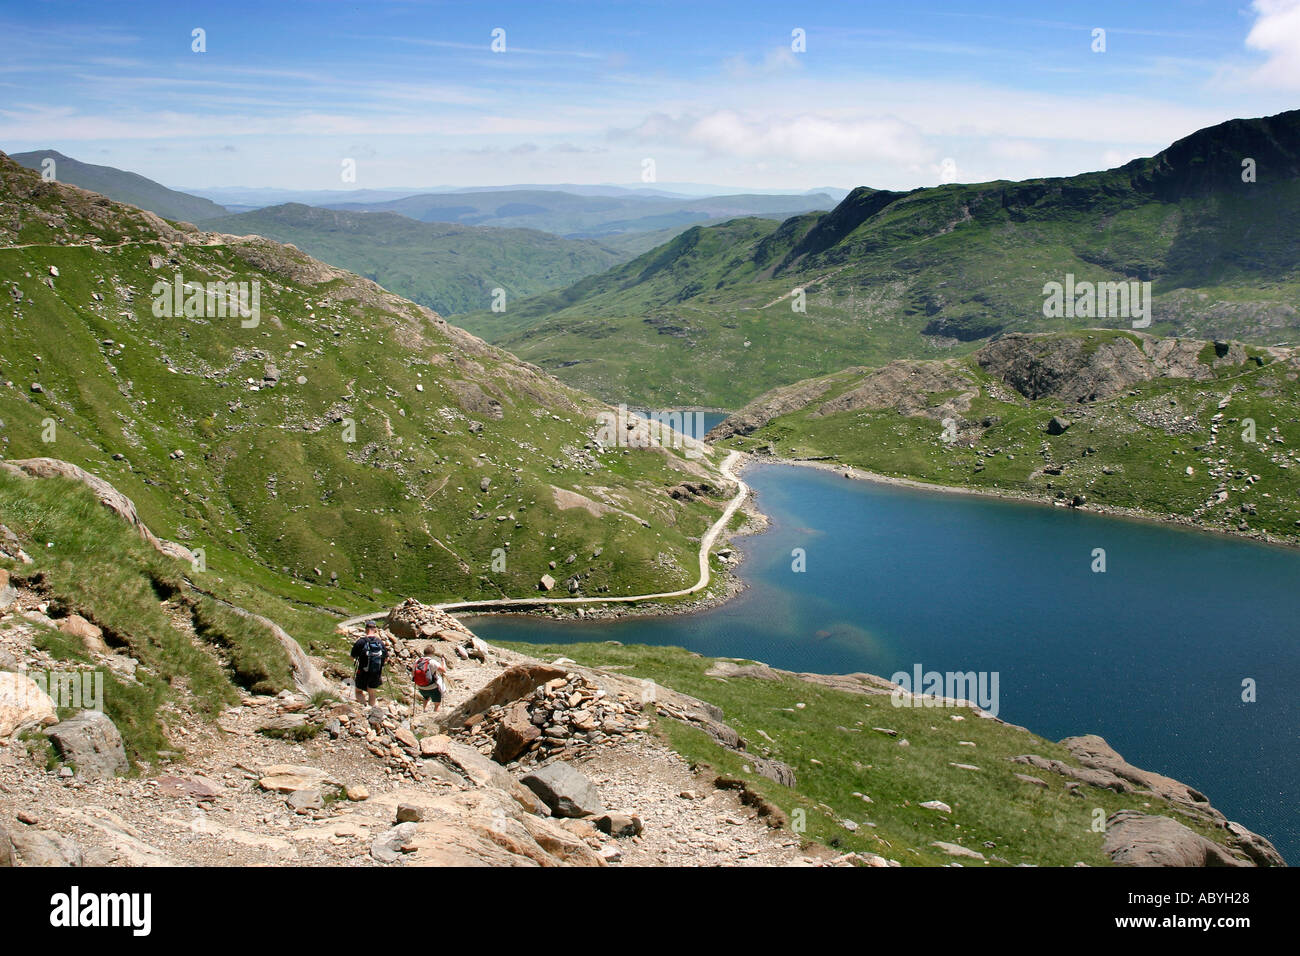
{"type": "Point", "coordinates": [370, 653]}
{"type": "Point", "coordinates": [430, 675]}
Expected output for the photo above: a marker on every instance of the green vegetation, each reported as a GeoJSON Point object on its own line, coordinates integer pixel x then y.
{"type": "Point", "coordinates": [87, 561]}
{"type": "Point", "coordinates": [834, 750]}
{"type": "Point", "coordinates": [332, 456]}
{"type": "Point", "coordinates": [707, 319]}
{"type": "Point", "coordinates": [1167, 446]}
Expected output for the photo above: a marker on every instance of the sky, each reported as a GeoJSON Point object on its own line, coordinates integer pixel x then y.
{"type": "Point", "coordinates": [753, 95]}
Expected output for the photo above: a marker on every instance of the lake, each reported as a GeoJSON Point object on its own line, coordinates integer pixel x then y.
{"type": "Point", "coordinates": [1151, 653]}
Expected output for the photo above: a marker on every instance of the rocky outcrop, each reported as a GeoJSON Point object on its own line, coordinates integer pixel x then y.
{"type": "Point", "coordinates": [91, 743]}
{"type": "Point", "coordinates": [109, 497]}
{"type": "Point", "coordinates": [1143, 839]}
{"type": "Point", "coordinates": [1077, 369]}
{"type": "Point", "coordinates": [23, 704]}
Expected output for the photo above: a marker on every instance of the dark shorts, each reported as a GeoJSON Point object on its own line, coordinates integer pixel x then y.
{"type": "Point", "coordinates": [431, 693]}
{"type": "Point", "coordinates": [368, 681]}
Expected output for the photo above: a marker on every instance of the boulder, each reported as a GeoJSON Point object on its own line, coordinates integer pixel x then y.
{"type": "Point", "coordinates": [1058, 425]}
{"type": "Point", "coordinates": [304, 801]}
{"type": "Point", "coordinates": [484, 772]}
{"type": "Point", "coordinates": [406, 813]}
{"type": "Point", "coordinates": [546, 583]}
{"type": "Point", "coordinates": [91, 637]}
{"type": "Point", "coordinates": [1143, 839]}
{"type": "Point", "coordinates": [6, 848]}
{"type": "Point", "coordinates": [45, 848]}
{"type": "Point", "coordinates": [22, 702]}
{"type": "Point", "coordinates": [565, 790]}
{"type": "Point", "coordinates": [515, 732]}
{"type": "Point", "coordinates": [8, 594]}
{"type": "Point", "coordinates": [620, 824]}
{"type": "Point", "coordinates": [289, 778]}
{"type": "Point", "coordinates": [389, 846]}
{"type": "Point", "coordinates": [90, 741]}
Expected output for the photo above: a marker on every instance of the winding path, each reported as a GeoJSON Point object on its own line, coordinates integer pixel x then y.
{"type": "Point", "coordinates": [706, 544]}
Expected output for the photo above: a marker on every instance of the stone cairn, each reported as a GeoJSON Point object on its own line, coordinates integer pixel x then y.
{"type": "Point", "coordinates": [565, 717]}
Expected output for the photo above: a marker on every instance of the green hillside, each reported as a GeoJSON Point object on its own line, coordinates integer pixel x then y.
{"type": "Point", "coordinates": [348, 448]}
{"type": "Point", "coordinates": [122, 186]}
{"type": "Point", "coordinates": [1206, 433]}
{"type": "Point", "coordinates": [709, 319]}
{"type": "Point", "coordinates": [449, 268]}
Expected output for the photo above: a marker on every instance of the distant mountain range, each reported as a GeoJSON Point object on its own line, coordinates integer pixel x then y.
{"type": "Point", "coordinates": [591, 216]}
{"type": "Point", "coordinates": [450, 268]}
{"type": "Point", "coordinates": [122, 186]}
{"type": "Point", "coordinates": [722, 313]}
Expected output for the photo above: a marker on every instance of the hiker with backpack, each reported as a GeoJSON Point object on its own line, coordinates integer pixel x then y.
{"type": "Point", "coordinates": [371, 654]}
{"type": "Point", "coordinates": [430, 676]}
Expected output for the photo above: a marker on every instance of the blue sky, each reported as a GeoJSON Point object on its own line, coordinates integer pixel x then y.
{"type": "Point", "coordinates": [891, 95]}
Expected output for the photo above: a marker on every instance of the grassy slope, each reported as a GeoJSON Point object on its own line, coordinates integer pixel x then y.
{"type": "Point", "coordinates": [706, 319]}
{"type": "Point", "coordinates": [1026, 823]}
{"type": "Point", "coordinates": [124, 186]}
{"type": "Point", "coordinates": [267, 485]}
{"type": "Point", "coordinates": [449, 268]}
{"type": "Point", "coordinates": [1114, 456]}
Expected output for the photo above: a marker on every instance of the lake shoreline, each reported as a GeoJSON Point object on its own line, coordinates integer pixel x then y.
{"type": "Point", "coordinates": [1026, 497]}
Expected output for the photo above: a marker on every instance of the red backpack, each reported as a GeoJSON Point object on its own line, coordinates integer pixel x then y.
{"type": "Point", "coordinates": [423, 672]}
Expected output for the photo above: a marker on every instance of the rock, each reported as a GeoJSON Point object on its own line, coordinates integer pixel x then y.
{"type": "Point", "coordinates": [6, 848]}
{"type": "Point", "coordinates": [1037, 782]}
{"type": "Point", "coordinates": [514, 734]}
{"type": "Point", "coordinates": [289, 778]}
{"type": "Point", "coordinates": [565, 790]}
{"type": "Point", "coordinates": [611, 854]}
{"type": "Point", "coordinates": [1142, 839]}
{"type": "Point", "coordinates": [283, 722]}
{"type": "Point", "coordinates": [1058, 425]}
{"type": "Point", "coordinates": [304, 801]}
{"type": "Point", "coordinates": [546, 583]}
{"type": "Point", "coordinates": [1255, 846]}
{"type": "Point", "coordinates": [90, 742]}
{"type": "Point", "coordinates": [22, 702]}
{"type": "Point", "coordinates": [956, 849]}
{"type": "Point", "coordinates": [46, 848]}
{"type": "Point", "coordinates": [91, 637]}
{"type": "Point", "coordinates": [484, 483]}
{"type": "Point", "coordinates": [195, 788]}
{"type": "Point", "coordinates": [413, 621]}
{"type": "Point", "coordinates": [8, 594]}
{"type": "Point", "coordinates": [406, 739]}
{"type": "Point", "coordinates": [357, 792]}
{"type": "Point", "coordinates": [937, 805]}
{"type": "Point", "coordinates": [389, 846]}
{"type": "Point", "coordinates": [433, 746]}
{"type": "Point", "coordinates": [7, 661]}
{"type": "Point", "coordinates": [409, 814]}
{"type": "Point", "coordinates": [620, 824]}
{"type": "Point", "coordinates": [484, 772]}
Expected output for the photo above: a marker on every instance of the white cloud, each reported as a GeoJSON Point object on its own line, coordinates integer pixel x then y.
{"type": "Point", "coordinates": [1277, 33]}
{"type": "Point", "coordinates": [806, 137]}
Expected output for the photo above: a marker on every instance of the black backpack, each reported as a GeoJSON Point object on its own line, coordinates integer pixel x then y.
{"type": "Point", "coordinates": [373, 655]}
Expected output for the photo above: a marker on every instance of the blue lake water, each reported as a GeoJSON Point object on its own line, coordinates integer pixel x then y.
{"type": "Point", "coordinates": [1151, 654]}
